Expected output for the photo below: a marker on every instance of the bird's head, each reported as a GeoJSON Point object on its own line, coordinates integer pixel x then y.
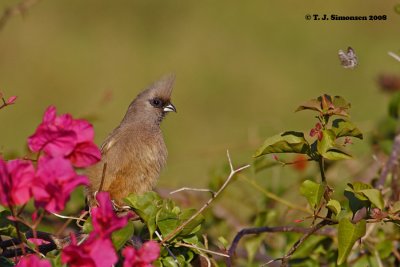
{"type": "Point", "coordinates": [154, 103]}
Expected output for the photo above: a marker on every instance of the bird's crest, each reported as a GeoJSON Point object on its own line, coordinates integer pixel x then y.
{"type": "Point", "coordinates": [162, 88]}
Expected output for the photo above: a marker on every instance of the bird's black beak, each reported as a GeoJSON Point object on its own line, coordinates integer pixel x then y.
{"type": "Point", "coordinates": [169, 107]}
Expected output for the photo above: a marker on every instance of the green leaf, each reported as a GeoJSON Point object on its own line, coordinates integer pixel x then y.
{"type": "Point", "coordinates": [326, 147]}
{"type": "Point", "coordinates": [120, 237]}
{"type": "Point", "coordinates": [342, 127]}
{"type": "Point", "coordinates": [327, 142]}
{"type": "Point", "coordinates": [87, 226]}
{"type": "Point", "coordinates": [312, 191]}
{"type": "Point", "coordinates": [166, 221]}
{"type": "Point", "coordinates": [169, 262]}
{"type": "Point", "coordinates": [340, 102]}
{"type": "Point", "coordinates": [192, 239]}
{"type": "Point", "coordinates": [334, 206]}
{"type": "Point", "coordinates": [375, 196]}
{"type": "Point", "coordinates": [287, 142]}
{"type": "Point", "coordinates": [313, 104]}
{"type": "Point", "coordinates": [358, 186]}
{"type": "Point", "coordinates": [355, 203]}
{"type": "Point", "coordinates": [348, 234]}
{"type": "Point", "coordinates": [146, 206]}
{"type": "Point", "coordinates": [193, 226]}
{"type": "Point", "coordinates": [336, 154]}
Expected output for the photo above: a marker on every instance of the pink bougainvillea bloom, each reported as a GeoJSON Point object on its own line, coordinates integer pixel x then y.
{"type": "Point", "coordinates": [11, 100]}
{"type": "Point", "coordinates": [65, 136]}
{"type": "Point", "coordinates": [93, 252]}
{"type": "Point", "coordinates": [143, 257]}
{"type": "Point", "coordinates": [104, 219]}
{"type": "Point", "coordinates": [33, 261]}
{"type": "Point", "coordinates": [76, 255]}
{"type": "Point", "coordinates": [16, 177]}
{"type": "Point", "coordinates": [317, 131]}
{"type": "Point", "coordinates": [55, 180]}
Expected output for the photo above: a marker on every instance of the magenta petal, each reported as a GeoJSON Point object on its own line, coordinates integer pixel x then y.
{"type": "Point", "coordinates": [60, 144]}
{"type": "Point", "coordinates": [54, 143]}
{"type": "Point", "coordinates": [76, 256]}
{"type": "Point", "coordinates": [16, 178]}
{"type": "Point", "coordinates": [130, 256]}
{"type": "Point", "coordinates": [22, 173]}
{"type": "Point", "coordinates": [103, 252]}
{"type": "Point", "coordinates": [54, 182]}
{"type": "Point", "coordinates": [84, 130]}
{"type": "Point", "coordinates": [149, 252]}
{"type": "Point", "coordinates": [5, 184]}
{"type": "Point", "coordinates": [49, 115]}
{"type": "Point", "coordinates": [85, 154]}
{"type": "Point", "coordinates": [33, 261]}
{"type": "Point", "coordinates": [104, 219]}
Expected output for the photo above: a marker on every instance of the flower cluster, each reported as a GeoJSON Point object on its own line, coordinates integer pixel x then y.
{"type": "Point", "coordinates": [63, 136]}
{"type": "Point", "coordinates": [63, 143]}
{"type": "Point", "coordinates": [97, 250]}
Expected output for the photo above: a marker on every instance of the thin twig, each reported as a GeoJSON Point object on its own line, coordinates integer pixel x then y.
{"type": "Point", "coordinates": [393, 55]}
{"type": "Point", "coordinates": [167, 248]}
{"type": "Point", "coordinates": [103, 175]}
{"type": "Point", "coordinates": [19, 9]}
{"type": "Point", "coordinates": [202, 249]}
{"type": "Point", "coordinates": [298, 243]}
{"type": "Point", "coordinates": [67, 217]}
{"type": "Point", "coordinates": [22, 246]}
{"type": "Point", "coordinates": [266, 229]}
{"type": "Point", "coordinates": [231, 175]}
{"type": "Point", "coordinates": [193, 189]}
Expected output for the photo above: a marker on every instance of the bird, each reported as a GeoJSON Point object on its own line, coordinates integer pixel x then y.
{"type": "Point", "coordinates": [134, 153]}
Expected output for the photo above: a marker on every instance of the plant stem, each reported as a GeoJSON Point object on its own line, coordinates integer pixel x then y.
{"type": "Point", "coordinates": [22, 244]}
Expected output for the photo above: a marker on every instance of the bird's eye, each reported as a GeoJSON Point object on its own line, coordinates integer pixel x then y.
{"type": "Point", "coordinates": [156, 102]}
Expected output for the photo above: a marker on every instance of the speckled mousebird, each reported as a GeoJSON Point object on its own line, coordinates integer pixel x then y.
{"type": "Point", "coordinates": [135, 151]}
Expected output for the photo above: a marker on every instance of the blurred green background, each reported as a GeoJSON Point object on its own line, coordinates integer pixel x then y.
{"type": "Point", "coordinates": [242, 67]}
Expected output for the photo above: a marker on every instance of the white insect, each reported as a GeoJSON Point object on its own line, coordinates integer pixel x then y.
{"type": "Point", "coordinates": [348, 59]}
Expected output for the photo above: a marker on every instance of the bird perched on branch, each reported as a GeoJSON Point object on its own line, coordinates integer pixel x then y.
{"type": "Point", "coordinates": [134, 153]}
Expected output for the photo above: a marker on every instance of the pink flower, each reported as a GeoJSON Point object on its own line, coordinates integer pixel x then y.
{"type": "Point", "coordinates": [317, 131]}
{"type": "Point", "coordinates": [11, 100]}
{"type": "Point", "coordinates": [65, 136]}
{"type": "Point", "coordinates": [143, 257]}
{"type": "Point", "coordinates": [33, 261]}
{"type": "Point", "coordinates": [55, 180]}
{"type": "Point", "coordinates": [104, 219]}
{"type": "Point", "coordinates": [16, 177]}
{"type": "Point", "coordinates": [93, 252]}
